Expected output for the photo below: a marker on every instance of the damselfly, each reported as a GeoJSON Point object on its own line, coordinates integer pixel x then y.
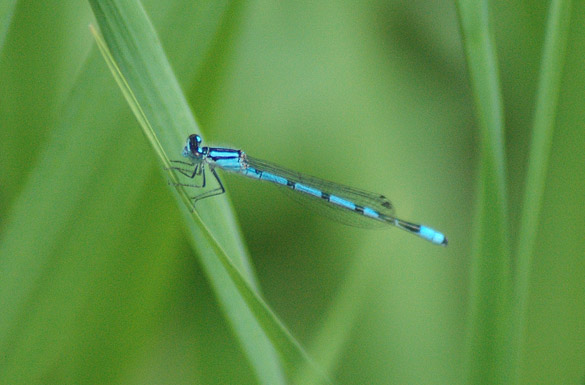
{"type": "Point", "coordinates": [363, 207]}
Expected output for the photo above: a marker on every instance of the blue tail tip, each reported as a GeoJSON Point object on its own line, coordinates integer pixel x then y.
{"type": "Point", "coordinates": [433, 236]}
{"type": "Point", "coordinates": [445, 242]}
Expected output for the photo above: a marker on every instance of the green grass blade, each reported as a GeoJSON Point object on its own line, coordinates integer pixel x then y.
{"type": "Point", "coordinates": [491, 254]}
{"type": "Point", "coordinates": [6, 12]}
{"type": "Point", "coordinates": [549, 86]}
{"type": "Point", "coordinates": [140, 67]}
{"type": "Point", "coordinates": [58, 259]}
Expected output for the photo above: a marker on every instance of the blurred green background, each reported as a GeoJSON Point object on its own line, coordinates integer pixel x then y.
{"type": "Point", "coordinates": [98, 283]}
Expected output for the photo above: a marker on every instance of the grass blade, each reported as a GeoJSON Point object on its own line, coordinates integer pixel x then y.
{"type": "Point", "coordinates": [55, 249]}
{"type": "Point", "coordinates": [6, 11]}
{"type": "Point", "coordinates": [549, 85]}
{"type": "Point", "coordinates": [491, 254]}
{"type": "Point", "coordinates": [138, 64]}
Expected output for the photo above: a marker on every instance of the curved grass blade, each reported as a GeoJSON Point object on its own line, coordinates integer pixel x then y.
{"type": "Point", "coordinates": [549, 86]}
{"type": "Point", "coordinates": [231, 285]}
{"type": "Point", "coordinates": [490, 281]}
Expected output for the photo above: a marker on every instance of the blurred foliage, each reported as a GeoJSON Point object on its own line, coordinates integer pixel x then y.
{"type": "Point", "coordinates": [98, 283]}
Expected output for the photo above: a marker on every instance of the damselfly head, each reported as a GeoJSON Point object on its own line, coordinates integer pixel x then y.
{"type": "Point", "coordinates": [192, 148]}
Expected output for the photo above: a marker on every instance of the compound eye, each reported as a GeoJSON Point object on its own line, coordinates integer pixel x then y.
{"type": "Point", "coordinates": [193, 143]}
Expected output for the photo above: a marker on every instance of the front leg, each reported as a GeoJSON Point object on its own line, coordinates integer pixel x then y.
{"type": "Point", "coordinates": [187, 172]}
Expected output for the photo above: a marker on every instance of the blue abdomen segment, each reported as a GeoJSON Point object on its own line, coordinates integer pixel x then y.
{"type": "Point", "coordinates": [424, 232]}
{"type": "Point", "coordinates": [307, 190]}
{"type": "Point", "coordinates": [341, 202]}
{"type": "Point", "coordinates": [251, 172]}
{"type": "Point", "coordinates": [227, 159]}
{"type": "Point", "coordinates": [273, 178]}
{"type": "Point", "coordinates": [432, 235]}
{"type": "Point", "coordinates": [368, 212]}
